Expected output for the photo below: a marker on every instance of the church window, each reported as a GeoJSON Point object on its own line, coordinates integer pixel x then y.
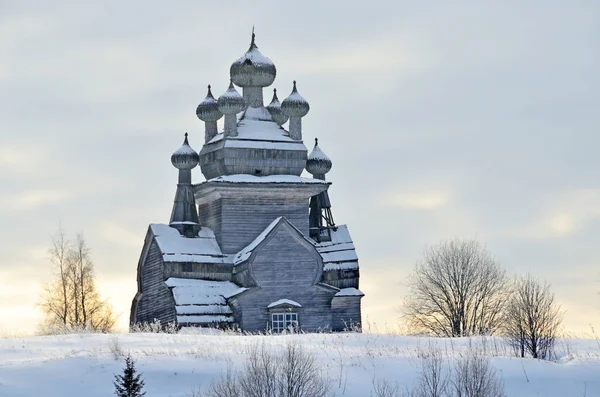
{"type": "Point", "coordinates": [284, 321]}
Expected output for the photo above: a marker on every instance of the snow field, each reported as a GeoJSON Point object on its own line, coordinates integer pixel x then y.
{"type": "Point", "coordinates": [174, 364]}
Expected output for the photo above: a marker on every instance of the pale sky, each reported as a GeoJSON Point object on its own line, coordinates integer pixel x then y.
{"type": "Point", "coordinates": [443, 119]}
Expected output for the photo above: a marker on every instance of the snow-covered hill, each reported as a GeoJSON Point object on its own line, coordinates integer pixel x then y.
{"type": "Point", "coordinates": [84, 364]}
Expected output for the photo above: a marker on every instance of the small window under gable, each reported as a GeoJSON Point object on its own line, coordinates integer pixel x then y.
{"type": "Point", "coordinates": [284, 315]}
{"type": "Point", "coordinates": [284, 321]}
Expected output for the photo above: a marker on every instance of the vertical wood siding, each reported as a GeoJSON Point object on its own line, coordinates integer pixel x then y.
{"type": "Point", "coordinates": [285, 267]}
{"type": "Point", "coordinates": [155, 300]}
{"type": "Point", "coordinates": [345, 312]}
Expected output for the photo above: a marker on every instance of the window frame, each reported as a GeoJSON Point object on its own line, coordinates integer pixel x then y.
{"type": "Point", "coordinates": [286, 320]}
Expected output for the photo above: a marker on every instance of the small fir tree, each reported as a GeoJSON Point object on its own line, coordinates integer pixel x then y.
{"type": "Point", "coordinates": [130, 384]}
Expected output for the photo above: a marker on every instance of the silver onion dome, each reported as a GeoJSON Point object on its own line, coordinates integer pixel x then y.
{"type": "Point", "coordinates": [253, 69]}
{"type": "Point", "coordinates": [231, 102]}
{"type": "Point", "coordinates": [274, 109]}
{"type": "Point", "coordinates": [208, 109]}
{"type": "Point", "coordinates": [294, 105]}
{"type": "Point", "coordinates": [317, 162]}
{"type": "Point", "coordinates": [185, 158]}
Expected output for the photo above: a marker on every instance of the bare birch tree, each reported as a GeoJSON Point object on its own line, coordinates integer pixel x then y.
{"type": "Point", "coordinates": [532, 319]}
{"type": "Point", "coordinates": [456, 289]}
{"type": "Point", "coordinates": [70, 300]}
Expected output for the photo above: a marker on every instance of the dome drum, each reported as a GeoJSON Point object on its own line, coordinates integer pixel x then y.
{"type": "Point", "coordinates": [217, 159]}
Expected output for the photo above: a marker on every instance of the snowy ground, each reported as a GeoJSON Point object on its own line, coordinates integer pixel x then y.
{"type": "Point", "coordinates": [84, 364]}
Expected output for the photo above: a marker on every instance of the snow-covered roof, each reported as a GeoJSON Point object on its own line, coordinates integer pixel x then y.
{"type": "Point", "coordinates": [317, 154]}
{"type": "Point", "coordinates": [339, 253]}
{"type": "Point", "coordinates": [254, 55]}
{"type": "Point", "coordinates": [281, 302]}
{"type": "Point", "coordinates": [177, 248]}
{"type": "Point", "coordinates": [256, 124]}
{"type": "Point", "coordinates": [247, 178]}
{"type": "Point", "coordinates": [349, 292]}
{"type": "Point", "coordinates": [202, 302]}
{"type": "Point", "coordinates": [246, 252]}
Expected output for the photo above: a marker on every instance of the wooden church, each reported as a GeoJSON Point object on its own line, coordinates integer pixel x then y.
{"type": "Point", "coordinates": [255, 246]}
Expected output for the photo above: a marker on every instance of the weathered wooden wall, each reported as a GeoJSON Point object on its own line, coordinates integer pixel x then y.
{"type": "Point", "coordinates": [285, 266]}
{"type": "Point", "coordinates": [154, 300]}
{"type": "Point", "coordinates": [345, 312]}
{"type": "Point", "coordinates": [341, 278]}
{"type": "Point", "coordinates": [272, 159]}
{"type": "Point", "coordinates": [204, 271]}
{"type": "Point", "coordinates": [209, 214]}
{"type": "Point", "coordinates": [238, 221]}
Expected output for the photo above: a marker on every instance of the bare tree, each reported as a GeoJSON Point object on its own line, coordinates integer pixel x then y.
{"type": "Point", "coordinates": [456, 289]}
{"type": "Point", "coordinates": [294, 373]}
{"type": "Point", "coordinates": [532, 318]}
{"type": "Point", "coordinates": [70, 300]}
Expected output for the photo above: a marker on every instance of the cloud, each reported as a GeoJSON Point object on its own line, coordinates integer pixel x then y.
{"type": "Point", "coordinates": [563, 215]}
{"type": "Point", "coordinates": [21, 158]}
{"type": "Point", "coordinates": [419, 201]}
{"type": "Point", "coordinates": [33, 199]}
{"type": "Point", "coordinates": [116, 233]}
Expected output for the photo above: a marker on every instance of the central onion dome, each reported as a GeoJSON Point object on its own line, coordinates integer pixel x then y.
{"type": "Point", "coordinates": [231, 102]}
{"type": "Point", "coordinates": [274, 109]}
{"type": "Point", "coordinates": [208, 110]}
{"type": "Point", "coordinates": [185, 158]}
{"type": "Point", "coordinates": [317, 162]}
{"type": "Point", "coordinates": [253, 69]}
{"type": "Point", "coordinates": [295, 105]}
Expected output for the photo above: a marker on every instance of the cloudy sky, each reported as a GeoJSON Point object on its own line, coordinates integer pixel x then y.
{"type": "Point", "coordinates": [466, 118]}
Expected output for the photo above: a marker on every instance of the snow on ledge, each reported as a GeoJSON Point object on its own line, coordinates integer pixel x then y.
{"type": "Point", "coordinates": [284, 302]}
{"type": "Point", "coordinates": [202, 292]}
{"type": "Point", "coordinates": [349, 292]}
{"type": "Point", "coordinates": [247, 178]}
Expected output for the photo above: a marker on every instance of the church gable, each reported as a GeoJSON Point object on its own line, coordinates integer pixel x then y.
{"type": "Point", "coordinates": [282, 256]}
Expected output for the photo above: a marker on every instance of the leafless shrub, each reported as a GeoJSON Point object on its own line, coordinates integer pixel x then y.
{"type": "Point", "coordinates": [384, 388]}
{"type": "Point", "coordinates": [457, 289]}
{"type": "Point", "coordinates": [532, 319]}
{"type": "Point", "coordinates": [475, 377]}
{"type": "Point", "coordinates": [155, 327]}
{"type": "Point", "coordinates": [433, 379]}
{"type": "Point", "coordinates": [294, 373]}
{"type": "Point", "coordinates": [70, 300]}
{"type": "Point", "coordinates": [226, 386]}
{"type": "Point", "coordinates": [114, 346]}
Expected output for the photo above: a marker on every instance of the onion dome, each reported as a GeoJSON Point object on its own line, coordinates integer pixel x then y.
{"type": "Point", "coordinates": [185, 158]}
{"type": "Point", "coordinates": [231, 102]}
{"type": "Point", "coordinates": [253, 69]}
{"type": "Point", "coordinates": [317, 162]}
{"type": "Point", "coordinates": [274, 109]}
{"type": "Point", "coordinates": [208, 110]}
{"type": "Point", "coordinates": [294, 105]}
